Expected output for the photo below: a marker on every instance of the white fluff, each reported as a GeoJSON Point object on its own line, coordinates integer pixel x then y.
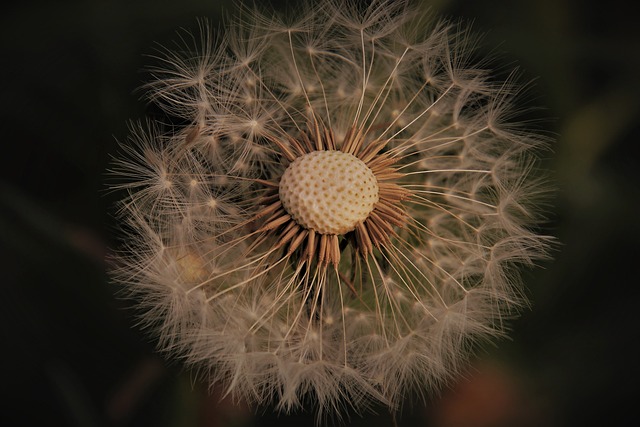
{"type": "Point", "coordinates": [253, 320]}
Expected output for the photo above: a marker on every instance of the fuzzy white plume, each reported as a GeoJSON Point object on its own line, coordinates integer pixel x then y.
{"type": "Point", "coordinates": [246, 295]}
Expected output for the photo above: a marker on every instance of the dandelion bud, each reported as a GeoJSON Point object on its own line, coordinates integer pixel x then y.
{"type": "Point", "coordinates": [343, 213]}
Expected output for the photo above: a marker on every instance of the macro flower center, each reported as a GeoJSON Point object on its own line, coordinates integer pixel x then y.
{"type": "Point", "coordinates": [328, 191]}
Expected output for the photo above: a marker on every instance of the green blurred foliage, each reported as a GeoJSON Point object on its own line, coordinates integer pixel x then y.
{"type": "Point", "coordinates": [72, 354]}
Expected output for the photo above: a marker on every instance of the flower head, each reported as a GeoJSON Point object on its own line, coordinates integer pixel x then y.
{"type": "Point", "coordinates": [341, 214]}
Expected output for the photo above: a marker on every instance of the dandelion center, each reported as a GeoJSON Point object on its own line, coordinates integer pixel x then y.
{"type": "Point", "coordinates": [330, 192]}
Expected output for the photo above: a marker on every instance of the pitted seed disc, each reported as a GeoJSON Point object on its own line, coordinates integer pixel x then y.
{"type": "Point", "coordinates": [329, 192]}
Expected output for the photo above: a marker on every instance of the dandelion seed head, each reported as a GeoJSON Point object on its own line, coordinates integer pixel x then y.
{"type": "Point", "coordinates": [344, 213]}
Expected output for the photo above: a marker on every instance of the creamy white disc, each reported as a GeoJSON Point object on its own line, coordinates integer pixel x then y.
{"type": "Point", "coordinates": [329, 192]}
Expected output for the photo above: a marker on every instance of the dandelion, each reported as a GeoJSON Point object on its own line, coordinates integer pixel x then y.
{"type": "Point", "coordinates": [340, 215]}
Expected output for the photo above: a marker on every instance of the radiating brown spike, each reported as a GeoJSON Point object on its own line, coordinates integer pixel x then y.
{"type": "Point", "coordinates": [276, 222]}
{"type": "Point", "coordinates": [346, 141]}
{"type": "Point", "coordinates": [378, 237]}
{"type": "Point", "coordinates": [387, 174]}
{"type": "Point", "coordinates": [382, 162]}
{"type": "Point", "coordinates": [317, 135]}
{"type": "Point", "coordinates": [310, 252]}
{"type": "Point", "coordinates": [269, 184]}
{"type": "Point", "coordinates": [286, 151]}
{"type": "Point", "coordinates": [268, 198]}
{"type": "Point", "coordinates": [295, 244]}
{"type": "Point", "coordinates": [390, 213]}
{"type": "Point", "coordinates": [296, 145]}
{"type": "Point", "coordinates": [352, 141]}
{"type": "Point", "coordinates": [269, 209]}
{"type": "Point", "coordinates": [329, 141]}
{"type": "Point", "coordinates": [335, 250]}
{"type": "Point", "coordinates": [364, 241]}
{"type": "Point", "coordinates": [392, 192]}
{"type": "Point", "coordinates": [289, 233]}
{"type": "Point", "coordinates": [385, 226]}
{"type": "Point", "coordinates": [371, 150]}
{"type": "Point", "coordinates": [308, 145]}
{"type": "Point", "coordinates": [357, 142]}
{"type": "Point", "coordinates": [323, 257]}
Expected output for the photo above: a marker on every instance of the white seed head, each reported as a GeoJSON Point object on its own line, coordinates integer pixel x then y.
{"type": "Point", "coordinates": [343, 216]}
{"type": "Point", "coordinates": [329, 192]}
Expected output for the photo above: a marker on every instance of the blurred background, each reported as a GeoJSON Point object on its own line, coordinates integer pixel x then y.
{"type": "Point", "coordinates": [71, 354]}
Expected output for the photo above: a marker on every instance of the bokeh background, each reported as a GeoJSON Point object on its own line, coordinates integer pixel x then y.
{"type": "Point", "coordinates": [71, 355]}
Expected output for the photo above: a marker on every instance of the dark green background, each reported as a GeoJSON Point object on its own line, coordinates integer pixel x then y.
{"type": "Point", "coordinates": [70, 352]}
